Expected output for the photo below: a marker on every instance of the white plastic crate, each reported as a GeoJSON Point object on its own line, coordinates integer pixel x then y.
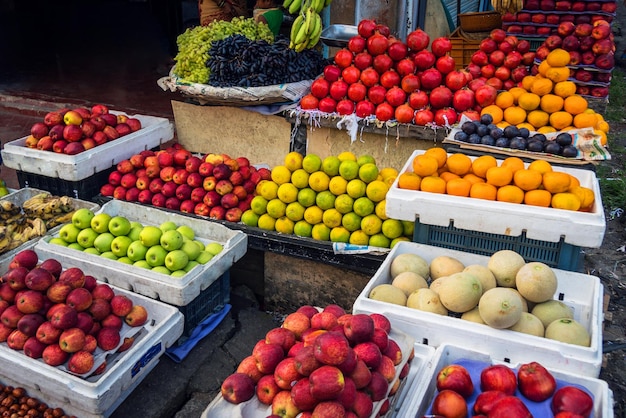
{"type": "Point", "coordinates": [154, 132]}
{"type": "Point", "coordinates": [583, 293]}
{"type": "Point", "coordinates": [96, 396]}
{"type": "Point", "coordinates": [584, 229]}
{"type": "Point", "coordinates": [178, 291]}
{"type": "Point", "coordinates": [20, 196]}
{"type": "Point", "coordinates": [423, 391]}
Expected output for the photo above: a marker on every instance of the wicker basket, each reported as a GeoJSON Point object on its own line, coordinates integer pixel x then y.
{"type": "Point", "coordinates": [464, 45]}
{"type": "Point", "coordinates": [480, 21]}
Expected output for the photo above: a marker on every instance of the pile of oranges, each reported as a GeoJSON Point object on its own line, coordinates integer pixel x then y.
{"type": "Point", "coordinates": [537, 184]}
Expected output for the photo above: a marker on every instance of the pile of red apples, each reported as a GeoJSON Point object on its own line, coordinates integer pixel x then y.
{"type": "Point", "coordinates": [212, 185]}
{"type": "Point", "coordinates": [322, 363]}
{"type": "Point", "coordinates": [62, 316]}
{"type": "Point", "coordinates": [72, 131]}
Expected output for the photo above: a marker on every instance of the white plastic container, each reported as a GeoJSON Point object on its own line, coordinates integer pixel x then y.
{"type": "Point", "coordinates": [20, 196]}
{"type": "Point", "coordinates": [583, 293]}
{"type": "Point", "coordinates": [584, 229]}
{"type": "Point", "coordinates": [96, 396]}
{"type": "Point", "coordinates": [176, 291]}
{"type": "Point", "coordinates": [154, 132]}
{"type": "Point", "coordinates": [424, 390]}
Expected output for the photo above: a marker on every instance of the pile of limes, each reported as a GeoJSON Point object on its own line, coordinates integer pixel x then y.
{"type": "Point", "coordinates": [339, 198]}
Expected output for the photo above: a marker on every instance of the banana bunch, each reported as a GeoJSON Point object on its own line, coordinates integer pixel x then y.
{"type": "Point", "coordinates": [46, 206]}
{"type": "Point", "coordinates": [15, 234]}
{"type": "Point", "coordinates": [9, 212]}
{"type": "Point", "coordinates": [510, 6]}
{"type": "Point", "coordinates": [306, 29]}
{"type": "Point", "coordinates": [300, 6]}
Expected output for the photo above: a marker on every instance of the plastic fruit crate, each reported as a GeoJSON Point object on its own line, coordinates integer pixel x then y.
{"type": "Point", "coordinates": [179, 291]}
{"type": "Point", "coordinates": [154, 132]}
{"type": "Point", "coordinates": [424, 390]}
{"type": "Point", "coordinates": [585, 229]}
{"type": "Point", "coordinates": [583, 293]}
{"type": "Point", "coordinates": [85, 189]}
{"type": "Point", "coordinates": [96, 396]}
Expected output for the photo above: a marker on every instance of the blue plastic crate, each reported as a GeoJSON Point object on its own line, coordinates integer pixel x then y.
{"type": "Point", "coordinates": [555, 254]}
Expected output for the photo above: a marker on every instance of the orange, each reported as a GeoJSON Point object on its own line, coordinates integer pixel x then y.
{"type": "Point", "coordinates": [505, 99]}
{"type": "Point", "coordinates": [526, 125]}
{"type": "Point", "coordinates": [568, 201]}
{"type": "Point", "coordinates": [575, 104]}
{"type": "Point", "coordinates": [538, 197]}
{"type": "Point", "coordinates": [557, 74]}
{"type": "Point", "coordinates": [473, 178]}
{"type": "Point", "coordinates": [515, 163]}
{"type": "Point", "coordinates": [585, 195]}
{"type": "Point", "coordinates": [542, 166]}
{"type": "Point", "coordinates": [495, 111]}
{"type": "Point", "coordinates": [602, 126]}
{"type": "Point", "coordinates": [527, 179]}
{"type": "Point", "coordinates": [529, 101]}
{"type": "Point", "coordinates": [459, 164]}
{"type": "Point", "coordinates": [514, 115]}
{"type": "Point", "coordinates": [556, 181]}
{"type": "Point", "coordinates": [499, 176]}
{"type": "Point", "coordinates": [510, 193]}
{"type": "Point", "coordinates": [458, 187]}
{"type": "Point", "coordinates": [602, 135]}
{"type": "Point", "coordinates": [573, 182]}
{"type": "Point", "coordinates": [481, 164]}
{"type": "Point", "coordinates": [517, 92]}
{"type": "Point", "coordinates": [546, 129]}
{"type": "Point", "coordinates": [528, 81]}
{"type": "Point", "coordinates": [484, 191]}
{"type": "Point", "coordinates": [543, 68]}
{"type": "Point", "coordinates": [541, 86]}
{"type": "Point", "coordinates": [561, 119]}
{"type": "Point", "coordinates": [538, 118]}
{"type": "Point", "coordinates": [564, 88]}
{"type": "Point", "coordinates": [551, 103]}
{"type": "Point", "coordinates": [439, 154]}
{"type": "Point", "coordinates": [409, 181]}
{"type": "Point", "coordinates": [424, 165]}
{"type": "Point", "coordinates": [585, 120]}
{"type": "Point", "coordinates": [447, 176]}
{"type": "Point", "coordinates": [558, 57]}
{"type": "Point", "coordinates": [433, 184]}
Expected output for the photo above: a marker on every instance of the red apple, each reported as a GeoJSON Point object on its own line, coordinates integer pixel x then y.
{"type": "Point", "coordinates": [498, 377]}
{"type": "Point", "coordinates": [457, 378]}
{"type": "Point", "coordinates": [326, 382]}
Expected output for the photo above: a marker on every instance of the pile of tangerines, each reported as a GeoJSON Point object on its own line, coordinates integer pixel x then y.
{"type": "Point", "coordinates": [510, 180]}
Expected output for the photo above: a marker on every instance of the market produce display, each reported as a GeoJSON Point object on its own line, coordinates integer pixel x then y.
{"type": "Point", "coordinates": [16, 399]}
{"type": "Point", "coordinates": [64, 318]}
{"type": "Point", "coordinates": [72, 131]}
{"type": "Point", "coordinates": [506, 293]}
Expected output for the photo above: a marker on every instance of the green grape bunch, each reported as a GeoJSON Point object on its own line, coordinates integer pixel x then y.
{"type": "Point", "coordinates": [194, 44]}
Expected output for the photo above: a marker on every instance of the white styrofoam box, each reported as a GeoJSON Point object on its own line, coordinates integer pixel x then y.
{"type": "Point", "coordinates": [220, 408]}
{"type": "Point", "coordinates": [583, 293]}
{"type": "Point", "coordinates": [154, 132]}
{"type": "Point", "coordinates": [177, 291]}
{"type": "Point", "coordinates": [423, 391]}
{"type": "Point", "coordinates": [20, 196]}
{"type": "Point", "coordinates": [100, 395]}
{"type": "Point", "coordinates": [584, 229]}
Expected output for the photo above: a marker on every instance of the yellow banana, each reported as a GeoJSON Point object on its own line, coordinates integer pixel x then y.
{"type": "Point", "coordinates": [302, 46]}
{"type": "Point", "coordinates": [4, 244]}
{"type": "Point", "coordinates": [294, 6]}
{"type": "Point", "coordinates": [314, 39]}
{"type": "Point", "coordinates": [311, 25]}
{"type": "Point", "coordinates": [318, 5]}
{"type": "Point", "coordinates": [295, 28]}
{"type": "Point", "coordinates": [316, 27]}
{"type": "Point", "coordinates": [286, 4]}
{"type": "Point", "coordinates": [301, 36]}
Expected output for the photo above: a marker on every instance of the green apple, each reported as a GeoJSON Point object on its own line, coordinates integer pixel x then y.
{"type": "Point", "coordinates": [137, 251]}
{"type": "Point", "coordinates": [91, 250]}
{"type": "Point", "coordinates": [187, 231]}
{"type": "Point", "coordinates": [168, 226]}
{"type": "Point", "coordinates": [75, 246]}
{"type": "Point", "coordinates": [200, 244]}
{"type": "Point", "coordinates": [191, 264]}
{"type": "Point", "coordinates": [120, 244]}
{"type": "Point", "coordinates": [171, 240]}
{"type": "Point", "coordinates": [69, 233]}
{"type": "Point", "coordinates": [178, 273]}
{"type": "Point", "coordinates": [103, 241]}
{"type": "Point", "coordinates": [204, 257]}
{"type": "Point", "coordinates": [142, 264]}
{"type": "Point", "coordinates": [58, 241]}
{"type": "Point", "coordinates": [109, 255]}
{"type": "Point", "coordinates": [119, 225]}
{"type": "Point", "coordinates": [155, 256]}
{"type": "Point", "coordinates": [191, 249]}
{"type": "Point", "coordinates": [150, 235]}
{"type": "Point", "coordinates": [135, 229]}
{"type": "Point", "coordinates": [214, 248]}
{"type": "Point", "coordinates": [176, 260]}
{"type": "Point", "coordinates": [82, 218]}
{"type": "Point", "coordinates": [161, 269]}
{"type": "Point", "coordinates": [86, 237]}
{"type": "Point", "coordinates": [125, 260]}
{"type": "Point", "coordinates": [100, 222]}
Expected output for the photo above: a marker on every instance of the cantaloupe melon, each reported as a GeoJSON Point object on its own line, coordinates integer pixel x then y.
{"type": "Point", "coordinates": [409, 281]}
{"type": "Point", "coordinates": [568, 331]}
{"type": "Point", "coordinates": [408, 262]}
{"type": "Point", "coordinates": [536, 282]}
{"type": "Point", "coordinates": [504, 265]}
{"type": "Point", "coordinates": [473, 316]}
{"type": "Point", "coordinates": [529, 324]}
{"type": "Point", "coordinates": [426, 300]}
{"type": "Point", "coordinates": [460, 292]}
{"type": "Point", "coordinates": [444, 265]}
{"type": "Point", "coordinates": [551, 310]}
{"type": "Point", "coordinates": [388, 293]}
{"type": "Point", "coordinates": [500, 307]}
{"type": "Point", "coordinates": [486, 277]}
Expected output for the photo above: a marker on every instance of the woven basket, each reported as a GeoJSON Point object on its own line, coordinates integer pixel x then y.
{"type": "Point", "coordinates": [480, 21]}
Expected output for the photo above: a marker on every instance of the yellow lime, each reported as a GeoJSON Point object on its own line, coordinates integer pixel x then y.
{"type": "Point", "coordinates": [408, 228]}
{"type": "Point", "coordinates": [356, 188]}
{"type": "Point", "coordinates": [339, 234]}
{"type": "Point", "coordinates": [311, 163]}
{"type": "Point", "coordinates": [276, 208]}
{"type": "Point", "coordinates": [388, 172]}
{"type": "Point", "coordinates": [365, 159]}
{"type": "Point", "coordinates": [389, 181]}
{"type": "Point", "coordinates": [259, 186]}
{"type": "Point", "coordinates": [280, 174]}
{"type": "Point", "coordinates": [397, 240]}
{"type": "Point", "coordinates": [269, 190]}
{"type": "Point", "coordinates": [300, 178]}
{"type": "Point", "coordinates": [325, 200]}
{"type": "Point", "coordinates": [330, 165]}
{"type": "Point", "coordinates": [320, 232]}
{"type": "Point", "coordinates": [287, 192]}
{"type": "Point", "coordinates": [351, 221]}
{"type": "Point", "coordinates": [313, 215]}
{"type": "Point", "coordinates": [250, 218]}
{"type": "Point", "coordinates": [258, 204]}
{"type": "Point", "coordinates": [294, 211]}
{"type": "Point", "coordinates": [343, 203]}
{"type": "Point", "coordinates": [337, 185]}
{"type": "Point", "coordinates": [266, 222]}
{"type": "Point", "coordinates": [284, 225]}
{"type": "Point", "coordinates": [349, 169]}
{"type": "Point", "coordinates": [392, 228]}
{"type": "Point", "coordinates": [331, 218]}
{"type": "Point", "coordinates": [293, 161]}
{"type": "Point", "coordinates": [303, 229]}
{"type": "Point", "coordinates": [381, 209]}
{"type": "Point", "coordinates": [363, 206]}
{"type": "Point", "coordinates": [306, 197]}
{"type": "Point", "coordinates": [371, 224]}
{"type": "Point", "coordinates": [376, 190]}
{"type": "Point", "coordinates": [359, 238]}
{"type": "Point", "coordinates": [318, 181]}
{"type": "Point", "coordinates": [368, 172]}
{"type": "Point", "coordinates": [379, 240]}
{"type": "Point", "coordinates": [347, 155]}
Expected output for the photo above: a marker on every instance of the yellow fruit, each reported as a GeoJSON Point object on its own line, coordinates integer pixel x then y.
{"type": "Point", "coordinates": [344, 203]}
{"type": "Point", "coordinates": [303, 229]}
{"type": "Point", "coordinates": [560, 119]}
{"type": "Point", "coordinates": [388, 172]}
{"type": "Point", "coordinates": [551, 103]}
{"type": "Point", "coordinates": [528, 101]}
{"type": "Point", "coordinates": [269, 189]}
{"type": "Point", "coordinates": [280, 174]}
{"type": "Point", "coordinates": [295, 211]}
{"type": "Point", "coordinates": [339, 234]}
{"type": "Point", "coordinates": [504, 264]}
{"type": "Point", "coordinates": [331, 218]}
{"type": "Point", "coordinates": [349, 169]}
{"type": "Point", "coordinates": [376, 191]}
{"type": "Point", "coordinates": [585, 120]}
{"type": "Point", "coordinates": [546, 129]}
{"type": "Point", "coordinates": [557, 74]}
{"type": "Point", "coordinates": [368, 172]}
{"type": "Point", "coordinates": [514, 115]}
{"type": "Point", "coordinates": [356, 188]}
{"type": "Point", "coordinates": [575, 104]}
{"type": "Point", "coordinates": [365, 159]}
{"type": "Point", "coordinates": [371, 224]}
{"type": "Point", "coordinates": [266, 222]}
{"type": "Point", "coordinates": [505, 99]}
{"type": "Point", "coordinates": [517, 92]}
{"type": "Point", "coordinates": [565, 88]}
{"type": "Point", "coordinates": [318, 181]}
{"type": "Point", "coordinates": [284, 225]}
{"type": "Point", "coordinates": [320, 232]}
{"type": "Point", "coordinates": [313, 215]}
{"type": "Point", "coordinates": [392, 228]}
{"type": "Point", "coordinates": [347, 155]}
{"type": "Point", "coordinates": [311, 163]}
{"type": "Point", "coordinates": [351, 221]}
{"type": "Point", "coordinates": [543, 68]}
{"type": "Point", "coordinates": [538, 118]}
{"type": "Point", "coordinates": [381, 209]}
{"type": "Point", "coordinates": [566, 200]}
{"type": "Point", "coordinates": [300, 178]}
{"type": "Point", "coordinates": [293, 160]}
{"type": "Point", "coordinates": [276, 208]}
{"type": "Point", "coordinates": [541, 86]}
{"type": "Point", "coordinates": [440, 154]}
{"type": "Point", "coordinates": [287, 192]}
{"type": "Point", "coordinates": [558, 57]}
{"type": "Point", "coordinates": [602, 135]}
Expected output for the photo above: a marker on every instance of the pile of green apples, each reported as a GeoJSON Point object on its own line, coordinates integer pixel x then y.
{"type": "Point", "coordinates": [169, 248]}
